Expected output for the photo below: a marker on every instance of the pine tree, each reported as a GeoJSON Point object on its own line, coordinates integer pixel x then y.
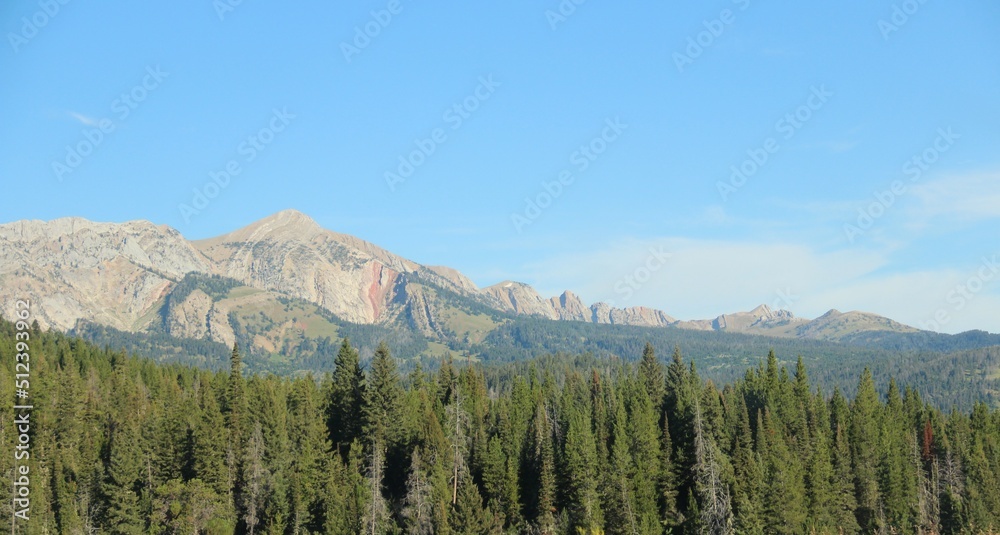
{"type": "Point", "coordinates": [618, 496]}
{"type": "Point", "coordinates": [382, 398]}
{"type": "Point", "coordinates": [188, 507]}
{"type": "Point", "coordinates": [844, 502]}
{"type": "Point", "coordinates": [236, 414]}
{"type": "Point", "coordinates": [469, 517]}
{"type": "Point", "coordinates": [209, 446]}
{"type": "Point", "coordinates": [897, 475]}
{"type": "Point", "coordinates": [121, 486]}
{"type": "Point", "coordinates": [581, 477]}
{"type": "Point", "coordinates": [237, 402]}
{"type": "Point", "coordinates": [680, 411]}
{"type": "Point", "coordinates": [652, 376]}
{"type": "Point", "coordinates": [345, 398]}
{"type": "Point", "coordinates": [863, 438]}
{"type": "Point", "coordinates": [801, 409]}
{"type": "Point", "coordinates": [820, 476]}
{"type": "Point", "coordinates": [785, 495]}
{"type": "Point", "coordinates": [669, 514]}
{"type": "Point", "coordinates": [337, 514]}
{"type": "Point", "coordinates": [748, 489]}
{"type": "Point", "coordinates": [644, 448]}
{"type": "Point", "coordinates": [268, 407]}
{"type": "Point", "coordinates": [309, 445]}
{"type": "Point", "coordinates": [357, 493]}
{"type": "Point", "coordinates": [499, 491]}
{"type": "Point", "coordinates": [543, 463]}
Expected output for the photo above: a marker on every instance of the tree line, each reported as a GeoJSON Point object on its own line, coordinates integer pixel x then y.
{"type": "Point", "coordinates": [126, 445]}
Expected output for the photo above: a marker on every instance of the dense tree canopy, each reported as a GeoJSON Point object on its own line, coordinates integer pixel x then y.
{"type": "Point", "coordinates": [125, 445]}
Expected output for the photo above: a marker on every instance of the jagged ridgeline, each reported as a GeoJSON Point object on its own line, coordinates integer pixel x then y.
{"type": "Point", "coordinates": [555, 445]}
{"type": "Point", "coordinates": [286, 335]}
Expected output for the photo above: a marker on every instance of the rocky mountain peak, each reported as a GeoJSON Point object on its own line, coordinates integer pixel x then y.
{"type": "Point", "coordinates": [286, 225]}
{"type": "Point", "coordinates": [520, 298]}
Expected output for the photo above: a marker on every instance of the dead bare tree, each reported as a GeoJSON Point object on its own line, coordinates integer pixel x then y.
{"type": "Point", "coordinates": [458, 423]}
{"type": "Point", "coordinates": [928, 504]}
{"type": "Point", "coordinates": [418, 504]}
{"type": "Point", "coordinates": [716, 506]}
{"type": "Point", "coordinates": [255, 477]}
{"type": "Point", "coordinates": [378, 510]}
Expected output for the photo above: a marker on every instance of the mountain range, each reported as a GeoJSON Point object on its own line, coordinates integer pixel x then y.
{"type": "Point", "coordinates": [130, 277]}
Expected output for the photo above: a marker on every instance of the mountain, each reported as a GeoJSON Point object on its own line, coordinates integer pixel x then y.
{"type": "Point", "coordinates": [521, 299]}
{"type": "Point", "coordinates": [283, 283]}
{"type": "Point", "coordinates": [836, 325]}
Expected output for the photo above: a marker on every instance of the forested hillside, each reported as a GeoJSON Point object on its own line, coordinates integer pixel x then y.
{"type": "Point", "coordinates": [127, 445]}
{"type": "Point", "coordinates": [955, 379]}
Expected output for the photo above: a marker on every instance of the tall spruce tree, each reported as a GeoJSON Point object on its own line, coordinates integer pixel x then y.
{"type": "Point", "coordinates": [581, 475]}
{"type": "Point", "coordinates": [346, 398]}
{"type": "Point", "coordinates": [652, 376]}
{"type": "Point", "coordinates": [383, 394]}
{"type": "Point", "coordinates": [123, 481]}
{"type": "Point", "coordinates": [749, 485]}
{"type": "Point", "coordinates": [863, 438]}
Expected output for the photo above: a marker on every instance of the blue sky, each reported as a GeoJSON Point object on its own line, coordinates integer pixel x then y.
{"type": "Point", "coordinates": [313, 103]}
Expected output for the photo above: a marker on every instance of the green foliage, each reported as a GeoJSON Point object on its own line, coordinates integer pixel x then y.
{"type": "Point", "coordinates": [216, 287]}
{"type": "Point", "coordinates": [345, 398]}
{"type": "Point", "coordinates": [128, 445]}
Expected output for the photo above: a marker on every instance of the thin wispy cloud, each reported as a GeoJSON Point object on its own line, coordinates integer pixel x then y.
{"type": "Point", "coordinates": [973, 197]}
{"type": "Point", "coordinates": [83, 119]}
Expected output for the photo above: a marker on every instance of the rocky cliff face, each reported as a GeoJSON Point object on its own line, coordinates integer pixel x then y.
{"type": "Point", "coordinates": [569, 307]}
{"type": "Point", "coordinates": [290, 254]}
{"type": "Point", "coordinates": [643, 316]}
{"type": "Point", "coordinates": [519, 298]}
{"type": "Point", "coordinates": [74, 268]}
{"type": "Point", "coordinates": [200, 318]}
